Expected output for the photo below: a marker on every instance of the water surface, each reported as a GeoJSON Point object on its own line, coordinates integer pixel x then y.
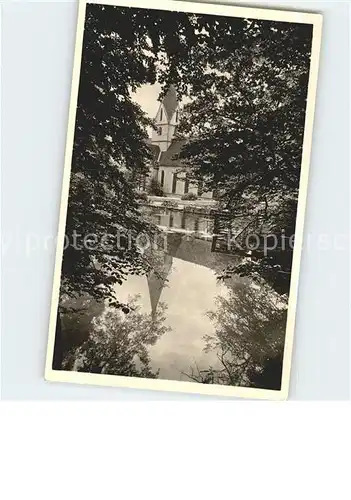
{"type": "Point", "coordinates": [189, 293]}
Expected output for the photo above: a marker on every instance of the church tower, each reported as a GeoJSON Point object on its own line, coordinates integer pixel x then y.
{"type": "Point", "coordinates": [166, 120]}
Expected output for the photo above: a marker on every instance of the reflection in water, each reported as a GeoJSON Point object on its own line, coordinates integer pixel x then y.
{"type": "Point", "coordinates": [180, 219]}
{"type": "Point", "coordinates": [189, 292]}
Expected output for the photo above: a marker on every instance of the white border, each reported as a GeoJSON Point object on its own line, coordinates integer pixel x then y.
{"type": "Point", "coordinates": [172, 385]}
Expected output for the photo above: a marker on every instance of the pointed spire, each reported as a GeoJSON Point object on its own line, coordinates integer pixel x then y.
{"type": "Point", "coordinates": [170, 102]}
{"type": "Point", "coordinates": [156, 282]}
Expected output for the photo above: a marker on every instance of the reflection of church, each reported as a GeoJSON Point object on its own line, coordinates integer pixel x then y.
{"type": "Point", "coordinates": [166, 148]}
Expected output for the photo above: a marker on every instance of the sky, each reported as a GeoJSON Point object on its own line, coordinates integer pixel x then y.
{"type": "Point", "coordinates": [146, 96]}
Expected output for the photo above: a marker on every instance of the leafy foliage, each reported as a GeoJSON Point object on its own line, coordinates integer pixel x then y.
{"type": "Point", "coordinates": [189, 196]}
{"type": "Point", "coordinates": [248, 83]}
{"type": "Point", "coordinates": [109, 145]}
{"type": "Point", "coordinates": [245, 129]}
{"type": "Point", "coordinates": [123, 48]}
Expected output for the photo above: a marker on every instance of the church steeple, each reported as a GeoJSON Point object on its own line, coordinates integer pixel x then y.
{"type": "Point", "coordinates": [166, 120]}
{"type": "Point", "coordinates": [170, 102]}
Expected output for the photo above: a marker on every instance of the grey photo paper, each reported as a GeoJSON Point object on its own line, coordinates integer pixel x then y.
{"type": "Point", "coordinates": [183, 198]}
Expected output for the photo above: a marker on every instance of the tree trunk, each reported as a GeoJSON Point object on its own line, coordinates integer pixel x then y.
{"type": "Point", "coordinates": [58, 346]}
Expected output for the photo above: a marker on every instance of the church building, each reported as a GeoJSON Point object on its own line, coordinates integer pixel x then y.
{"type": "Point", "coordinates": [167, 146]}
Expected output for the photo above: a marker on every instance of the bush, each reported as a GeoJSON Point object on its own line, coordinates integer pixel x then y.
{"type": "Point", "coordinates": [189, 196]}
{"type": "Point", "coordinates": [155, 188]}
{"type": "Point", "coordinates": [170, 204]}
{"type": "Point", "coordinates": [142, 196]}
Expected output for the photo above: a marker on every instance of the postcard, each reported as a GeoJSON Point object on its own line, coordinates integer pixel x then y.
{"type": "Point", "coordinates": [183, 198]}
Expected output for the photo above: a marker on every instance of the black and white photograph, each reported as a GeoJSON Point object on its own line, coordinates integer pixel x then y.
{"type": "Point", "coordinates": [183, 199]}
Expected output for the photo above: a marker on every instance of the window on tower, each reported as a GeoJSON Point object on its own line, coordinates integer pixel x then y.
{"type": "Point", "coordinates": [159, 131]}
{"type": "Point", "coordinates": [161, 114]}
{"type": "Point", "coordinates": [177, 116]}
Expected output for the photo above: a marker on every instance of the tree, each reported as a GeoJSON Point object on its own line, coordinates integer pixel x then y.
{"type": "Point", "coordinates": [249, 338]}
{"type": "Point", "coordinates": [122, 49]}
{"type": "Point", "coordinates": [109, 142]}
{"type": "Point", "coordinates": [245, 131]}
{"type": "Point", "coordinates": [118, 343]}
